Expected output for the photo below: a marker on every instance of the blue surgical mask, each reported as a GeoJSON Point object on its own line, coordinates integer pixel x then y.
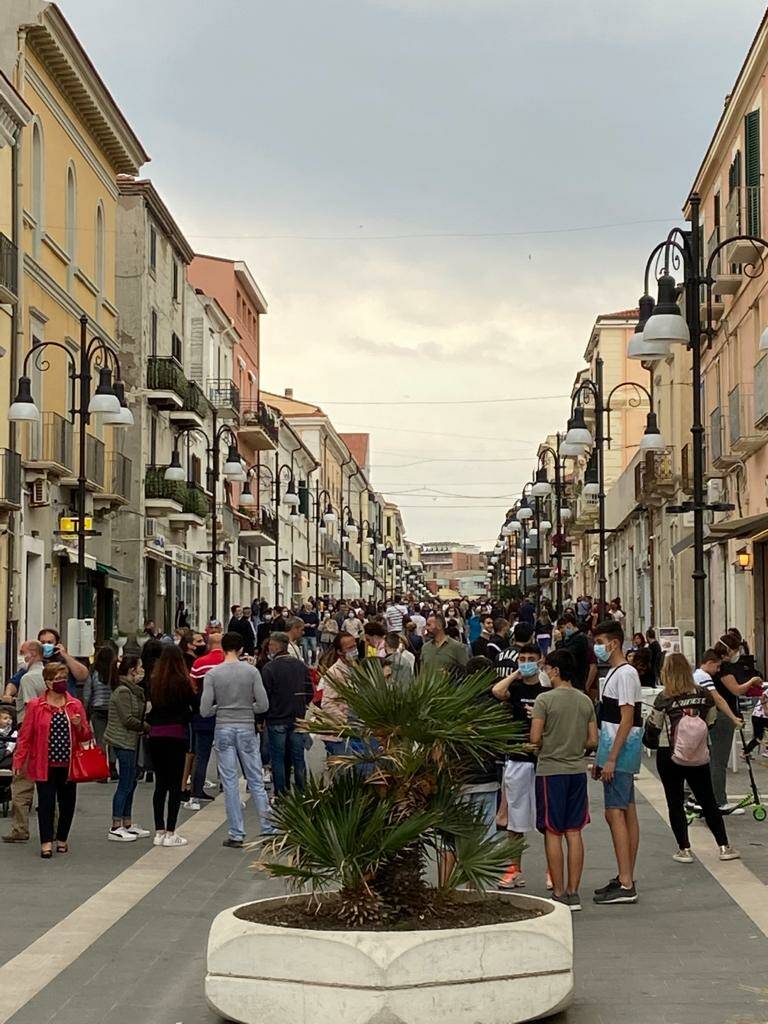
{"type": "Point", "coordinates": [601, 652]}
{"type": "Point", "coordinates": [48, 650]}
{"type": "Point", "coordinates": [569, 630]}
{"type": "Point", "coordinates": [528, 668]}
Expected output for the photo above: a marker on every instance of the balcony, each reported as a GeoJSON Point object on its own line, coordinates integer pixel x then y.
{"type": "Point", "coordinates": [195, 410]}
{"type": "Point", "coordinates": [258, 427]}
{"type": "Point", "coordinates": [261, 529]}
{"type": "Point", "coordinates": [48, 445]}
{"type": "Point", "coordinates": [227, 522]}
{"type": "Point", "coordinates": [182, 503]}
{"type": "Point", "coordinates": [9, 271]}
{"type": "Point", "coordinates": [655, 478]}
{"type": "Point", "coordinates": [744, 436]}
{"type": "Point", "coordinates": [118, 473]}
{"type": "Point", "coordinates": [742, 217]}
{"type": "Point", "coordinates": [10, 480]}
{"type": "Point", "coordinates": [224, 396]}
{"type": "Point", "coordinates": [94, 466]}
{"type": "Point", "coordinates": [760, 404]}
{"type": "Point", "coordinates": [721, 456]}
{"type": "Point", "coordinates": [167, 385]}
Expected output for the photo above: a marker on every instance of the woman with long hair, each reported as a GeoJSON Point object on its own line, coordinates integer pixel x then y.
{"type": "Point", "coordinates": [682, 755]}
{"type": "Point", "coordinates": [125, 727]}
{"type": "Point", "coordinates": [53, 723]}
{"type": "Point", "coordinates": [731, 682]}
{"type": "Point", "coordinates": [173, 703]}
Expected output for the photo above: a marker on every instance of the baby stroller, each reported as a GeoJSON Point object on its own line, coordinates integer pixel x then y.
{"type": "Point", "coordinates": [7, 746]}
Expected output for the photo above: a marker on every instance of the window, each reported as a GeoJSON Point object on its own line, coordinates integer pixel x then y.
{"type": "Point", "coordinates": [175, 281]}
{"type": "Point", "coordinates": [153, 332]}
{"type": "Point", "coordinates": [99, 254]}
{"type": "Point", "coordinates": [71, 213]}
{"type": "Point", "coordinates": [194, 469]}
{"type": "Point", "coordinates": [752, 170]}
{"type": "Point", "coordinates": [152, 247]}
{"type": "Point", "coordinates": [37, 184]}
{"type": "Point", "coordinates": [176, 348]}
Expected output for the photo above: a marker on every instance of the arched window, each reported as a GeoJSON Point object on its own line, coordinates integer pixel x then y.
{"type": "Point", "coordinates": [71, 214]}
{"type": "Point", "coordinates": [37, 184]}
{"type": "Point", "coordinates": [99, 254]}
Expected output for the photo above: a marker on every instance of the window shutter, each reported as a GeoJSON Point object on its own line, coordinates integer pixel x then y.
{"type": "Point", "coordinates": [752, 170]}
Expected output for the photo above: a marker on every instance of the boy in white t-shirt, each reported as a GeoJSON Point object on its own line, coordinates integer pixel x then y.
{"type": "Point", "coordinates": [618, 758]}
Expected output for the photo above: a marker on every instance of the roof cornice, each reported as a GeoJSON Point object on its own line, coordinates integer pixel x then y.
{"type": "Point", "coordinates": [129, 186]}
{"type": "Point", "coordinates": [14, 112]}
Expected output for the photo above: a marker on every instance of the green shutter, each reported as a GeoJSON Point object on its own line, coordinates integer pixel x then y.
{"type": "Point", "coordinates": [303, 498]}
{"type": "Point", "coordinates": [752, 170]}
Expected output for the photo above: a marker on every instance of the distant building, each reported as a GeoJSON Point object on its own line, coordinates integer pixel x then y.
{"type": "Point", "coordinates": [444, 559]}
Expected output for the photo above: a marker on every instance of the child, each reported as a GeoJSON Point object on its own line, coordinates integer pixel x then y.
{"type": "Point", "coordinates": [758, 721]}
{"type": "Point", "coordinates": [563, 727]}
{"type": "Point", "coordinates": [520, 689]}
{"type": "Point", "coordinates": [9, 733]}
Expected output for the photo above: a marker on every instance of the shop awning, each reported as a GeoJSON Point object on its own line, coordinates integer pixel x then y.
{"type": "Point", "coordinates": [735, 529]}
{"type": "Point", "coordinates": [113, 573]}
{"type": "Point", "coordinates": [70, 553]}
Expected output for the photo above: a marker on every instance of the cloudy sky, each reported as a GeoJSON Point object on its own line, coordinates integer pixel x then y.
{"type": "Point", "coordinates": [437, 198]}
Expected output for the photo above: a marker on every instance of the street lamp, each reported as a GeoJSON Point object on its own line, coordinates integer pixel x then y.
{"type": "Point", "coordinates": [289, 497]}
{"type": "Point", "coordinates": [558, 494]}
{"type": "Point", "coordinates": [232, 470]}
{"type": "Point", "coordinates": [667, 326]}
{"type": "Point", "coordinates": [106, 401]}
{"type": "Point", "coordinates": [578, 434]}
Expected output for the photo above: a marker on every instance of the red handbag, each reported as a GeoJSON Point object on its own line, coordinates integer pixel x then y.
{"type": "Point", "coordinates": [89, 763]}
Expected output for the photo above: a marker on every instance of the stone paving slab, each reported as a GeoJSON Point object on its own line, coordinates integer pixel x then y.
{"type": "Point", "coordinates": [685, 954]}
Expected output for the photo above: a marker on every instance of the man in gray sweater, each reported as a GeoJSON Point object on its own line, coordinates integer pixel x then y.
{"type": "Point", "coordinates": [234, 693]}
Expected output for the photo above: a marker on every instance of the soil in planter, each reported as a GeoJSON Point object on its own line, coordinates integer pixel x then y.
{"type": "Point", "coordinates": [447, 910]}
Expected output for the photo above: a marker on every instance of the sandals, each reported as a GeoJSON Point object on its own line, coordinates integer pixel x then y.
{"type": "Point", "coordinates": [46, 854]}
{"type": "Point", "coordinates": [62, 847]}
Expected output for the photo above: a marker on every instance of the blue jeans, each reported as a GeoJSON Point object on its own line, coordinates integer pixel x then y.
{"type": "Point", "coordinates": [122, 801]}
{"type": "Point", "coordinates": [239, 744]}
{"type": "Point", "coordinates": [309, 649]}
{"type": "Point", "coordinates": [202, 744]}
{"type": "Point", "coordinates": [282, 738]}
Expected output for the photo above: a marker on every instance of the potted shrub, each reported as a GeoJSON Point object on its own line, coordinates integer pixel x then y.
{"type": "Point", "coordinates": [381, 931]}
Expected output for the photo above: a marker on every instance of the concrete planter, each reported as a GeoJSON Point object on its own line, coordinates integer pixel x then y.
{"type": "Point", "coordinates": [495, 974]}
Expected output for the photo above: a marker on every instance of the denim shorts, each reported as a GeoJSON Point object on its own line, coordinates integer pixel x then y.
{"type": "Point", "coordinates": [619, 793]}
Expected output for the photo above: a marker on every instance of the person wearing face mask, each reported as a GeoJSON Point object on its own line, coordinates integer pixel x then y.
{"type": "Point", "coordinates": [125, 726]}
{"type": "Point", "coordinates": [335, 666]}
{"type": "Point", "coordinates": [289, 689]}
{"type": "Point", "coordinates": [203, 728]}
{"type": "Point", "coordinates": [52, 723]}
{"type": "Point", "coordinates": [54, 652]}
{"type": "Point", "coordinates": [732, 681]}
{"type": "Point", "coordinates": [577, 645]}
{"type": "Point", "coordinates": [563, 728]}
{"type": "Point", "coordinates": [519, 692]}
{"type": "Point", "coordinates": [30, 685]}
{"type": "Point", "coordinates": [618, 758]}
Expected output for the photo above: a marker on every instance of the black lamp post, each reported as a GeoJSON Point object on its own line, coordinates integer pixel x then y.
{"type": "Point", "coordinates": [108, 401]}
{"type": "Point", "coordinates": [544, 489]}
{"type": "Point", "coordinates": [578, 440]}
{"type": "Point", "coordinates": [233, 471]}
{"type": "Point", "coordinates": [348, 531]}
{"type": "Point", "coordinates": [324, 516]}
{"type": "Point", "coordinates": [368, 535]}
{"type": "Point", "coordinates": [661, 325]}
{"type": "Point", "coordinates": [290, 497]}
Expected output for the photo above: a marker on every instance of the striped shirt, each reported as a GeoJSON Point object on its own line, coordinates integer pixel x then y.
{"type": "Point", "coordinates": [394, 618]}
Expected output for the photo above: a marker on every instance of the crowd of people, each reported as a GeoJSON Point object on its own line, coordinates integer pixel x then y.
{"type": "Point", "coordinates": [576, 690]}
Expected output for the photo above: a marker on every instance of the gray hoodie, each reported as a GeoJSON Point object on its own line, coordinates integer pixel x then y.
{"type": "Point", "coordinates": [234, 692]}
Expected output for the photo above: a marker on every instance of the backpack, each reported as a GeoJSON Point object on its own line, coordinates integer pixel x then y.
{"type": "Point", "coordinates": [691, 741]}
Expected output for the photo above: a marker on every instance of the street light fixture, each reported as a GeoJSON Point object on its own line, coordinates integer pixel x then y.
{"type": "Point", "coordinates": [542, 487]}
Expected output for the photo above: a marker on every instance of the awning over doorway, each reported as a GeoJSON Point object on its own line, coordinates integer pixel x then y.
{"type": "Point", "coordinates": [734, 529]}
{"type": "Point", "coordinates": [70, 553]}
{"type": "Point", "coordinates": [113, 573]}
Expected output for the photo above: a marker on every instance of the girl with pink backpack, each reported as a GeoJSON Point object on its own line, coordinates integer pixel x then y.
{"type": "Point", "coordinates": [677, 729]}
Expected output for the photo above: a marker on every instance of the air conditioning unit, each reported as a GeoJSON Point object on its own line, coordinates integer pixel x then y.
{"type": "Point", "coordinates": [150, 527]}
{"type": "Point", "coordinates": [715, 489]}
{"type": "Point", "coordinates": [688, 520]}
{"type": "Point", "coordinates": [39, 493]}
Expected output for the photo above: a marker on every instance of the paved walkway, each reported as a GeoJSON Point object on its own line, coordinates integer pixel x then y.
{"type": "Point", "coordinates": [114, 932]}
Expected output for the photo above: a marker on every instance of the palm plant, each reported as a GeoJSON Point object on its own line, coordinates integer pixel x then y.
{"type": "Point", "coordinates": [395, 800]}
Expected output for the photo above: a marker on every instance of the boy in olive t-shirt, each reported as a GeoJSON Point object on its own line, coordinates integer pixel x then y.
{"type": "Point", "coordinates": [564, 726]}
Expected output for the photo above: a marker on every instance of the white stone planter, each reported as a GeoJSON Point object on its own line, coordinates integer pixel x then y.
{"type": "Point", "coordinates": [495, 974]}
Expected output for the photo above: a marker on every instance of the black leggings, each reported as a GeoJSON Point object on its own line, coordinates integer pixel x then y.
{"type": "Point", "coordinates": [56, 788]}
{"type": "Point", "coordinates": [673, 778]}
{"type": "Point", "coordinates": [758, 729]}
{"type": "Point", "coordinates": [168, 756]}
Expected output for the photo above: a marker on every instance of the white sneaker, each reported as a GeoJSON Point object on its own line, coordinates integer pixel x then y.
{"type": "Point", "coordinates": [267, 774]}
{"type": "Point", "coordinates": [728, 853]}
{"type": "Point", "coordinates": [683, 857]}
{"type": "Point", "coordinates": [210, 785]}
{"type": "Point", "coordinates": [173, 839]}
{"type": "Point", "coordinates": [159, 839]}
{"type": "Point", "coordinates": [121, 835]}
{"type": "Point", "coordinates": [138, 831]}
{"type": "Point", "coordinates": [192, 805]}
{"type": "Point", "coordinates": [731, 809]}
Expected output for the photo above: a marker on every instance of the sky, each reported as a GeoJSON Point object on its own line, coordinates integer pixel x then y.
{"type": "Point", "coordinates": [437, 198]}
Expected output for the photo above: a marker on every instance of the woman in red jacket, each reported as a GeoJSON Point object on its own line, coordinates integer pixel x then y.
{"type": "Point", "coordinates": [52, 723]}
